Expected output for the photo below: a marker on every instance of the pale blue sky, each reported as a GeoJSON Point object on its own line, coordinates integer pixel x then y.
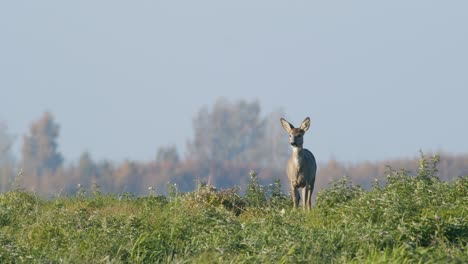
{"type": "Point", "coordinates": [378, 79]}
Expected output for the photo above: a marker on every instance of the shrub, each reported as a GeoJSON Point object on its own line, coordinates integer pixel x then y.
{"type": "Point", "coordinates": [339, 192]}
{"type": "Point", "coordinates": [410, 219]}
{"type": "Point", "coordinates": [255, 195]}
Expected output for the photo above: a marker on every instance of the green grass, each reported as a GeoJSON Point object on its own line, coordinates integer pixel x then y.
{"type": "Point", "coordinates": [408, 220]}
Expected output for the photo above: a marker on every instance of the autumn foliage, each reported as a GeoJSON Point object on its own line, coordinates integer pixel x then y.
{"type": "Point", "coordinates": [230, 140]}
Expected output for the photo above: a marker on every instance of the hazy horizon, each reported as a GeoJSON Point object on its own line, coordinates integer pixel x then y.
{"type": "Point", "coordinates": [379, 80]}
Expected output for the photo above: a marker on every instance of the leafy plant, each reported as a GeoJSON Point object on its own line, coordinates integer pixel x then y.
{"type": "Point", "coordinates": [407, 219]}
{"type": "Point", "coordinates": [255, 195]}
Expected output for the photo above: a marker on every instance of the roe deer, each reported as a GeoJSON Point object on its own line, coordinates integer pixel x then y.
{"type": "Point", "coordinates": [301, 167]}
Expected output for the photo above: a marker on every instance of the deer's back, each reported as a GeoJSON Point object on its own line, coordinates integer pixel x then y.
{"type": "Point", "coordinates": [310, 165]}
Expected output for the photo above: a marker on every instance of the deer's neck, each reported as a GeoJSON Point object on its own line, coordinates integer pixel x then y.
{"type": "Point", "coordinates": [297, 157]}
{"type": "Point", "coordinates": [297, 151]}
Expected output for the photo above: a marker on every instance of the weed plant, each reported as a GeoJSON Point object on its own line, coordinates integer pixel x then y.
{"type": "Point", "coordinates": [407, 219]}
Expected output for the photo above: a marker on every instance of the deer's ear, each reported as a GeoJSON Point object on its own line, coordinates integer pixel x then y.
{"type": "Point", "coordinates": [286, 125]}
{"type": "Point", "coordinates": [305, 124]}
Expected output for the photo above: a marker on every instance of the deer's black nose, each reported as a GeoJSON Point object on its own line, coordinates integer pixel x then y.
{"type": "Point", "coordinates": [293, 144]}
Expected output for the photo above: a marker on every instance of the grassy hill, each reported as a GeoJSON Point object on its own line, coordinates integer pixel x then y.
{"type": "Point", "coordinates": [409, 219]}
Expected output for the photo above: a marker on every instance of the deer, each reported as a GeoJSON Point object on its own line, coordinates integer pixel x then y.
{"type": "Point", "coordinates": [301, 167]}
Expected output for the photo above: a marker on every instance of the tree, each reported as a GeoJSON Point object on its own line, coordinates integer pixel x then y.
{"type": "Point", "coordinates": [6, 158]}
{"type": "Point", "coordinates": [229, 132]}
{"type": "Point", "coordinates": [128, 177]}
{"type": "Point", "coordinates": [6, 141]}
{"type": "Point", "coordinates": [274, 150]}
{"type": "Point", "coordinates": [167, 154]}
{"type": "Point", "coordinates": [87, 168]}
{"type": "Point", "coordinates": [40, 148]}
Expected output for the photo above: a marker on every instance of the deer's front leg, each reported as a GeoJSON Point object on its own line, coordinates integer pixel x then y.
{"type": "Point", "coordinates": [304, 197]}
{"type": "Point", "coordinates": [295, 196]}
{"type": "Point", "coordinates": [308, 199]}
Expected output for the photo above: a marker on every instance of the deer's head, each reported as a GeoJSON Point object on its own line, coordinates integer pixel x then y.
{"type": "Point", "coordinates": [296, 135]}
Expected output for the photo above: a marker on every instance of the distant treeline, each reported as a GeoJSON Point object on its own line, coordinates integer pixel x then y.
{"type": "Point", "coordinates": [227, 143]}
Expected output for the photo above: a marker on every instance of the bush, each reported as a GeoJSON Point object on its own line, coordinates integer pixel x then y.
{"type": "Point", "coordinates": [207, 196]}
{"type": "Point", "coordinates": [410, 219]}
{"type": "Point", "coordinates": [255, 195]}
{"type": "Point", "coordinates": [339, 192]}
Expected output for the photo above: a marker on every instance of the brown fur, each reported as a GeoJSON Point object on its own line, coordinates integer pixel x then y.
{"type": "Point", "coordinates": [301, 167]}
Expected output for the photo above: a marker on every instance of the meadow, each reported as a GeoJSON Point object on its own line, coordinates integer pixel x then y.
{"type": "Point", "coordinates": [406, 219]}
